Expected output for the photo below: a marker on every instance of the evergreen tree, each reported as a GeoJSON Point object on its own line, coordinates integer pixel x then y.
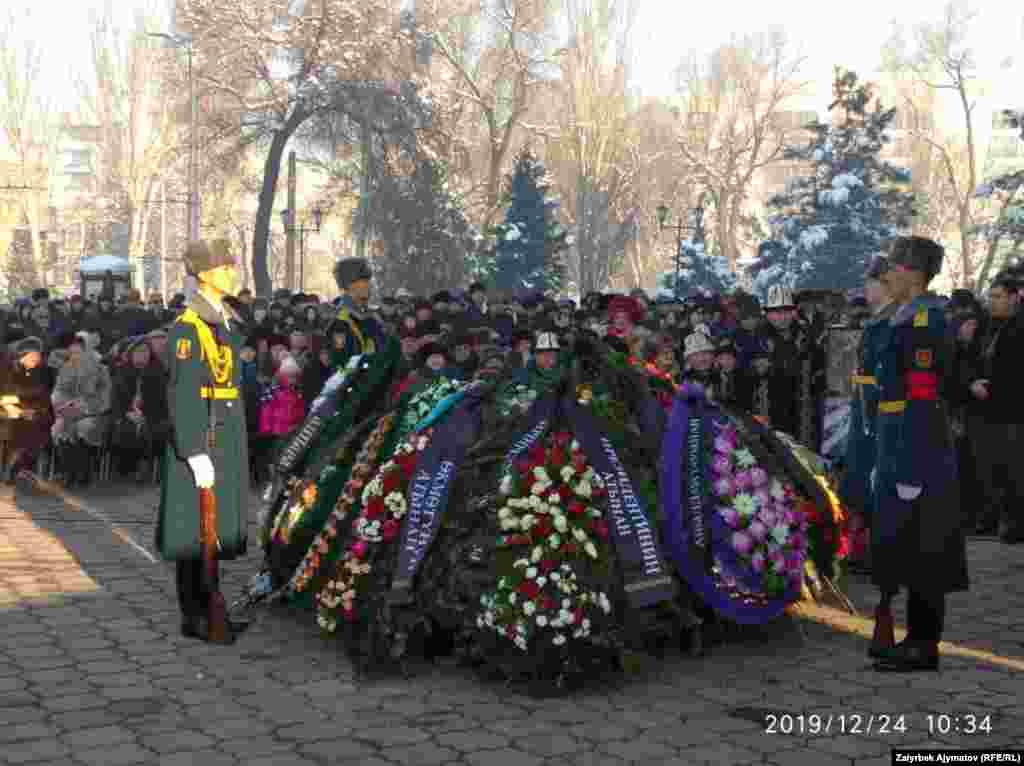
{"type": "Point", "coordinates": [529, 244]}
{"type": "Point", "coordinates": [831, 223]}
{"type": "Point", "coordinates": [700, 271]}
{"type": "Point", "coordinates": [428, 239]}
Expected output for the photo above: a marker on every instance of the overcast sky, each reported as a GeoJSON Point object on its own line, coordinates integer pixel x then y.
{"type": "Point", "coordinates": [826, 33]}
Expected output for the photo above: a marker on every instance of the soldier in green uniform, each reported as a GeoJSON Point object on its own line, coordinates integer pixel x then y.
{"type": "Point", "coordinates": [208, 448]}
{"type": "Point", "coordinates": [354, 331]}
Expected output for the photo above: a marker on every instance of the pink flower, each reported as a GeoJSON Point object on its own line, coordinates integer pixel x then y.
{"type": "Point", "coordinates": [768, 518]}
{"type": "Point", "coordinates": [359, 548]}
{"type": "Point", "coordinates": [721, 464]}
{"type": "Point", "coordinates": [758, 562]}
{"type": "Point", "coordinates": [743, 480]}
{"type": "Point", "coordinates": [763, 498]}
{"type": "Point", "coordinates": [778, 559]}
{"type": "Point", "coordinates": [791, 517]}
{"type": "Point", "coordinates": [742, 543]}
{"type": "Point", "coordinates": [794, 564]}
{"type": "Point", "coordinates": [797, 541]}
{"type": "Point", "coordinates": [724, 487]}
{"type": "Point", "coordinates": [757, 531]}
{"type": "Point", "coordinates": [723, 446]}
{"type": "Point", "coordinates": [729, 434]}
{"type": "Point", "coordinates": [730, 516]}
{"type": "Point", "coordinates": [758, 477]}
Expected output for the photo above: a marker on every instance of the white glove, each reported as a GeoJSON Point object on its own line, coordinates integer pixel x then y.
{"type": "Point", "coordinates": [202, 470]}
{"type": "Point", "coordinates": [908, 493]}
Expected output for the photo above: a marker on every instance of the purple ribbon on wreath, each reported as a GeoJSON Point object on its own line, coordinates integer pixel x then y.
{"type": "Point", "coordinates": [696, 534]}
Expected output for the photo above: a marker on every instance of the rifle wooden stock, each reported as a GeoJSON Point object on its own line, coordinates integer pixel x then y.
{"type": "Point", "coordinates": [217, 613]}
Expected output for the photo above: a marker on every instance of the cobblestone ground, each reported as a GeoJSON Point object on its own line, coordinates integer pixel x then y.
{"type": "Point", "coordinates": [93, 671]}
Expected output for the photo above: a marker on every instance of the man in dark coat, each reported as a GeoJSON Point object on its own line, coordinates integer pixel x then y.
{"type": "Point", "coordinates": [917, 538]}
{"type": "Point", "coordinates": [208, 448]}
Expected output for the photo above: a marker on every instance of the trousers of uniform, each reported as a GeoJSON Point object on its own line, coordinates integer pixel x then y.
{"type": "Point", "coordinates": [193, 593]}
{"type": "Point", "coordinates": [926, 616]}
{"type": "Point", "coordinates": [999, 463]}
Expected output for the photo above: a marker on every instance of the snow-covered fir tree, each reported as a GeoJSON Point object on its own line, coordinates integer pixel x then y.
{"type": "Point", "coordinates": [831, 222]}
{"type": "Point", "coordinates": [529, 244]}
{"type": "Point", "coordinates": [701, 271]}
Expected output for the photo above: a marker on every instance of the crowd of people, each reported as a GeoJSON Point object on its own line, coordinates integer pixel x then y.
{"type": "Point", "coordinates": [83, 375]}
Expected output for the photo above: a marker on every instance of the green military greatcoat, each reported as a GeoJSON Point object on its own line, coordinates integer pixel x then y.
{"type": "Point", "coordinates": [194, 401]}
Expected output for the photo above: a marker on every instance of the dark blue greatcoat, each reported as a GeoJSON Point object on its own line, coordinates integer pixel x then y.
{"type": "Point", "coordinates": [855, 489]}
{"type": "Point", "coordinates": [918, 544]}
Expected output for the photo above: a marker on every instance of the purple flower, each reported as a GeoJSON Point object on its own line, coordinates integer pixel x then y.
{"type": "Point", "coordinates": [721, 464]}
{"type": "Point", "coordinates": [758, 562]}
{"type": "Point", "coordinates": [797, 541]}
{"type": "Point", "coordinates": [757, 531]}
{"type": "Point", "coordinates": [777, 557]}
{"type": "Point", "coordinates": [724, 487]}
{"type": "Point", "coordinates": [794, 564]}
{"type": "Point", "coordinates": [763, 498]}
{"type": "Point", "coordinates": [768, 518]}
{"type": "Point", "coordinates": [723, 446]}
{"type": "Point", "coordinates": [759, 477]}
{"type": "Point", "coordinates": [742, 543]}
{"type": "Point", "coordinates": [743, 480]}
{"type": "Point", "coordinates": [730, 516]}
{"type": "Point", "coordinates": [791, 517]}
{"type": "Point", "coordinates": [729, 434]}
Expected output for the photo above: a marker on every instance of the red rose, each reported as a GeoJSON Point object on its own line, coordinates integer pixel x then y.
{"type": "Point", "coordinates": [391, 482]}
{"type": "Point", "coordinates": [601, 528]}
{"type": "Point", "coordinates": [578, 615]}
{"type": "Point", "coordinates": [536, 454]}
{"type": "Point", "coordinates": [547, 566]}
{"type": "Point", "coordinates": [549, 603]}
{"type": "Point", "coordinates": [557, 457]}
{"type": "Point", "coordinates": [563, 439]}
{"type": "Point", "coordinates": [844, 547]}
{"type": "Point", "coordinates": [390, 529]}
{"type": "Point", "coordinates": [375, 509]}
{"type": "Point", "coordinates": [349, 615]}
{"type": "Point", "coordinates": [579, 462]}
{"type": "Point", "coordinates": [565, 493]}
{"type": "Point", "coordinates": [577, 508]}
{"type": "Point", "coordinates": [529, 589]}
{"type": "Point", "coordinates": [542, 528]}
{"type": "Point", "coordinates": [569, 549]}
{"type": "Point", "coordinates": [826, 535]}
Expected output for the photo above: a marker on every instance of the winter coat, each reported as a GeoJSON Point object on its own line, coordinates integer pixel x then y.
{"type": "Point", "coordinates": [282, 409]}
{"type": "Point", "coordinates": [88, 381]}
{"type": "Point", "coordinates": [150, 383]}
{"type": "Point", "coordinates": [918, 543]}
{"type": "Point", "coordinates": [32, 430]}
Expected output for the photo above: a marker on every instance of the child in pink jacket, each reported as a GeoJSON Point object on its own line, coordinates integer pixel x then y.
{"type": "Point", "coordinates": [282, 408]}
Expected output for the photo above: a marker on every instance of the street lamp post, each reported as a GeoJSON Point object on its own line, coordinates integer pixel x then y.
{"type": "Point", "coordinates": [287, 219]}
{"type": "Point", "coordinates": [696, 225]}
{"type": "Point", "coordinates": [181, 41]}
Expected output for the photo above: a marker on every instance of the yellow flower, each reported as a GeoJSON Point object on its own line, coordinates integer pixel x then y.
{"type": "Point", "coordinates": [309, 495]}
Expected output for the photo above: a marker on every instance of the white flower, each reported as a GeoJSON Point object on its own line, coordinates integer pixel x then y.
{"type": "Point", "coordinates": [579, 534]}
{"type": "Point", "coordinates": [554, 498]}
{"type": "Point", "coordinates": [585, 624]}
{"type": "Point", "coordinates": [558, 640]}
{"type": "Point", "coordinates": [395, 502]}
{"type": "Point", "coordinates": [540, 488]}
{"type": "Point", "coordinates": [590, 550]}
{"type": "Point", "coordinates": [529, 608]}
{"type": "Point", "coordinates": [506, 485]}
{"type": "Point", "coordinates": [421, 443]}
{"type": "Point", "coordinates": [567, 473]}
{"type": "Point", "coordinates": [561, 524]}
{"type": "Point", "coordinates": [604, 603]}
{"type": "Point", "coordinates": [554, 541]}
{"type": "Point", "coordinates": [530, 573]}
{"type": "Point", "coordinates": [509, 524]}
{"type": "Point", "coordinates": [542, 581]}
{"type": "Point", "coordinates": [744, 458]}
{"type": "Point", "coordinates": [555, 577]}
{"type": "Point", "coordinates": [520, 643]}
{"type": "Point", "coordinates": [542, 620]}
{"type": "Point", "coordinates": [534, 502]}
{"type": "Point", "coordinates": [537, 555]}
{"type": "Point", "coordinates": [513, 597]}
{"type": "Point", "coordinates": [520, 563]}
{"type": "Point", "coordinates": [541, 473]}
{"type": "Point", "coordinates": [527, 521]}
{"type": "Point", "coordinates": [583, 489]}
{"type": "Point", "coordinates": [777, 492]}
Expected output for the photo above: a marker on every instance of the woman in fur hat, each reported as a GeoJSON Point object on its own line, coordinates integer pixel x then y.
{"type": "Point", "coordinates": [25, 415]}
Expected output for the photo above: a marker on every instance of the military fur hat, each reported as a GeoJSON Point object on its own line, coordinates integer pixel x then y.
{"type": "Point", "coordinates": [201, 256]}
{"type": "Point", "coordinates": [917, 254]}
{"type": "Point", "coordinates": [349, 270]}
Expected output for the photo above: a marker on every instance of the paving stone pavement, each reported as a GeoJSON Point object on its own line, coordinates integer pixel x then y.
{"type": "Point", "coordinates": [94, 672]}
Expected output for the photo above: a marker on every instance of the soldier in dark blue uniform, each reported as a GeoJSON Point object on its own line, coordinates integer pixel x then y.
{"type": "Point", "coordinates": [917, 536]}
{"type": "Point", "coordinates": [856, 490]}
{"type": "Point", "coordinates": [354, 331]}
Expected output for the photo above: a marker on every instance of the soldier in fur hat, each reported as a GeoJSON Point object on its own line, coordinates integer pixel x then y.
{"type": "Point", "coordinates": [209, 446]}
{"type": "Point", "coordinates": [354, 331]}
